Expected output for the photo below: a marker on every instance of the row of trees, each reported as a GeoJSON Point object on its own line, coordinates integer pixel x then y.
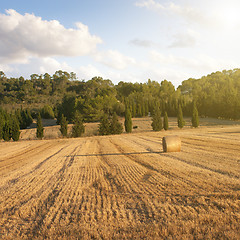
{"type": "Point", "coordinates": [77, 130]}
{"type": "Point", "coordinates": [158, 124]}
{"type": "Point", "coordinates": [10, 123]}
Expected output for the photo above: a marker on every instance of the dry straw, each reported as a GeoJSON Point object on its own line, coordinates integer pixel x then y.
{"type": "Point", "coordinates": [171, 144]}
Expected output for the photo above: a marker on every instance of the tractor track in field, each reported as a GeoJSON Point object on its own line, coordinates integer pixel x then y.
{"type": "Point", "coordinates": [120, 187]}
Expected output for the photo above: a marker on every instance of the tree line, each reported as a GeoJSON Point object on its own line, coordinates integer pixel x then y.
{"type": "Point", "coordinates": [10, 124]}
{"type": "Point", "coordinates": [215, 95]}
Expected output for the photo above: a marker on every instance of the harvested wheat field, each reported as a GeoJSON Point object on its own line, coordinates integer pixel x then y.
{"type": "Point", "coordinates": [122, 187]}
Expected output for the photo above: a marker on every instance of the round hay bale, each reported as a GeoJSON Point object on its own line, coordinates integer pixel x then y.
{"type": "Point", "coordinates": [171, 144]}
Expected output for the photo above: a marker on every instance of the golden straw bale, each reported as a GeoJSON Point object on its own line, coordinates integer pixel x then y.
{"type": "Point", "coordinates": [171, 144]}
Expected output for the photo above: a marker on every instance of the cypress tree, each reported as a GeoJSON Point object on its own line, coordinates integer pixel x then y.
{"type": "Point", "coordinates": [59, 116]}
{"type": "Point", "coordinates": [180, 120]}
{"type": "Point", "coordinates": [115, 126]}
{"type": "Point", "coordinates": [40, 128]}
{"type": "Point", "coordinates": [78, 128]}
{"type": "Point", "coordinates": [6, 131]}
{"type": "Point", "coordinates": [18, 116]}
{"type": "Point", "coordinates": [143, 109]}
{"type": "Point", "coordinates": [146, 108]}
{"type": "Point", "coordinates": [15, 129]}
{"type": "Point", "coordinates": [165, 121]}
{"type": "Point", "coordinates": [2, 123]}
{"type": "Point", "coordinates": [104, 126]}
{"type": "Point", "coordinates": [63, 126]}
{"type": "Point", "coordinates": [157, 119]}
{"type": "Point", "coordinates": [133, 109]}
{"type": "Point", "coordinates": [28, 117]}
{"type": "Point", "coordinates": [195, 119]}
{"type": "Point", "coordinates": [139, 110]}
{"type": "Point", "coordinates": [128, 121]}
{"type": "Point", "coordinates": [23, 121]}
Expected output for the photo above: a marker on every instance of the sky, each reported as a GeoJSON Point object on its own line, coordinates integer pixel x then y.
{"type": "Point", "coordinates": [127, 40]}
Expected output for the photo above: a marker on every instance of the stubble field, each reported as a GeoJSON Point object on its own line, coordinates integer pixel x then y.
{"type": "Point", "coordinates": [122, 186]}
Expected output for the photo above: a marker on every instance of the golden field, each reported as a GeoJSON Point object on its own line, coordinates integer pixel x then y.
{"type": "Point", "coordinates": [122, 186]}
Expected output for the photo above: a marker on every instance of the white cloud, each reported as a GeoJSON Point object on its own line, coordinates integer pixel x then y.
{"type": "Point", "coordinates": [185, 39]}
{"type": "Point", "coordinates": [142, 43]}
{"type": "Point", "coordinates": [190, 13]}
{"type": "Point", "coordinates": [201, 63]}
{"type": "Point", "coordinates": [36, 65]}
{"type": "Point", "coordinates": [214, 14]}
{"type": "Point", "coordinates": [24, 36]}
{"type": "Point", "coordinates": [88, 72]}
{"type": "Point", "coordinates": [113, 59]}
{"type": "Point", "coordinates": [5, 68]}
{"type": "Point", "coordinates": [150, 4]}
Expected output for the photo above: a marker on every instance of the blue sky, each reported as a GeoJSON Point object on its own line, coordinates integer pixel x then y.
{"type": "Point", "coordinates": [127, 40]}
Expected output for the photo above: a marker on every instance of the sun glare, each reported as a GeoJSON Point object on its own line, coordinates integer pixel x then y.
{"type": "Point", "coordinates": [229, 14]}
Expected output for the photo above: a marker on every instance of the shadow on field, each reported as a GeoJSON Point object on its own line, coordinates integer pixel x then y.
{"type": "Point", "coordinates": [113, 154]}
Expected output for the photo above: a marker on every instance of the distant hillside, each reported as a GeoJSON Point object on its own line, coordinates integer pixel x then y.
{"type": "Point", "coordinates": [216, 95]}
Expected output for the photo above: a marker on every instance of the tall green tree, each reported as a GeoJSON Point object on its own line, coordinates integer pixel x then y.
{"type": "Point", "coordinates": [128, 121]}
{"type": "Point", "coordinates": [195, 119]}
{"type": "Point", "coordinates": [180, 120]}
{"type": "Point", "coordinates": [2, 123]}
{"type": "Point", "coordinates": [28, 117]}
{"type": "Point", "coordinates": [165, 121]}
{"type": "Point", "coordinates": [157, 119]}
{"type": "Point", "coordinates": [7, 131]}
{"type": "Point", "coordinates": [115, 126]}
{"type": "Point", "coordinates": [40, 128]}
{"type": "Point", "coordinates": [63, 126]}
{"type": "Point", "coordinates": [15, 129]}
{"type": "Point", "coordinates": [78, 128]}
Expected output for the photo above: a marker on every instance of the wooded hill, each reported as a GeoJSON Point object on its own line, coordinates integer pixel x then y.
{"type": "Point", "coordinates": [215, 95]}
